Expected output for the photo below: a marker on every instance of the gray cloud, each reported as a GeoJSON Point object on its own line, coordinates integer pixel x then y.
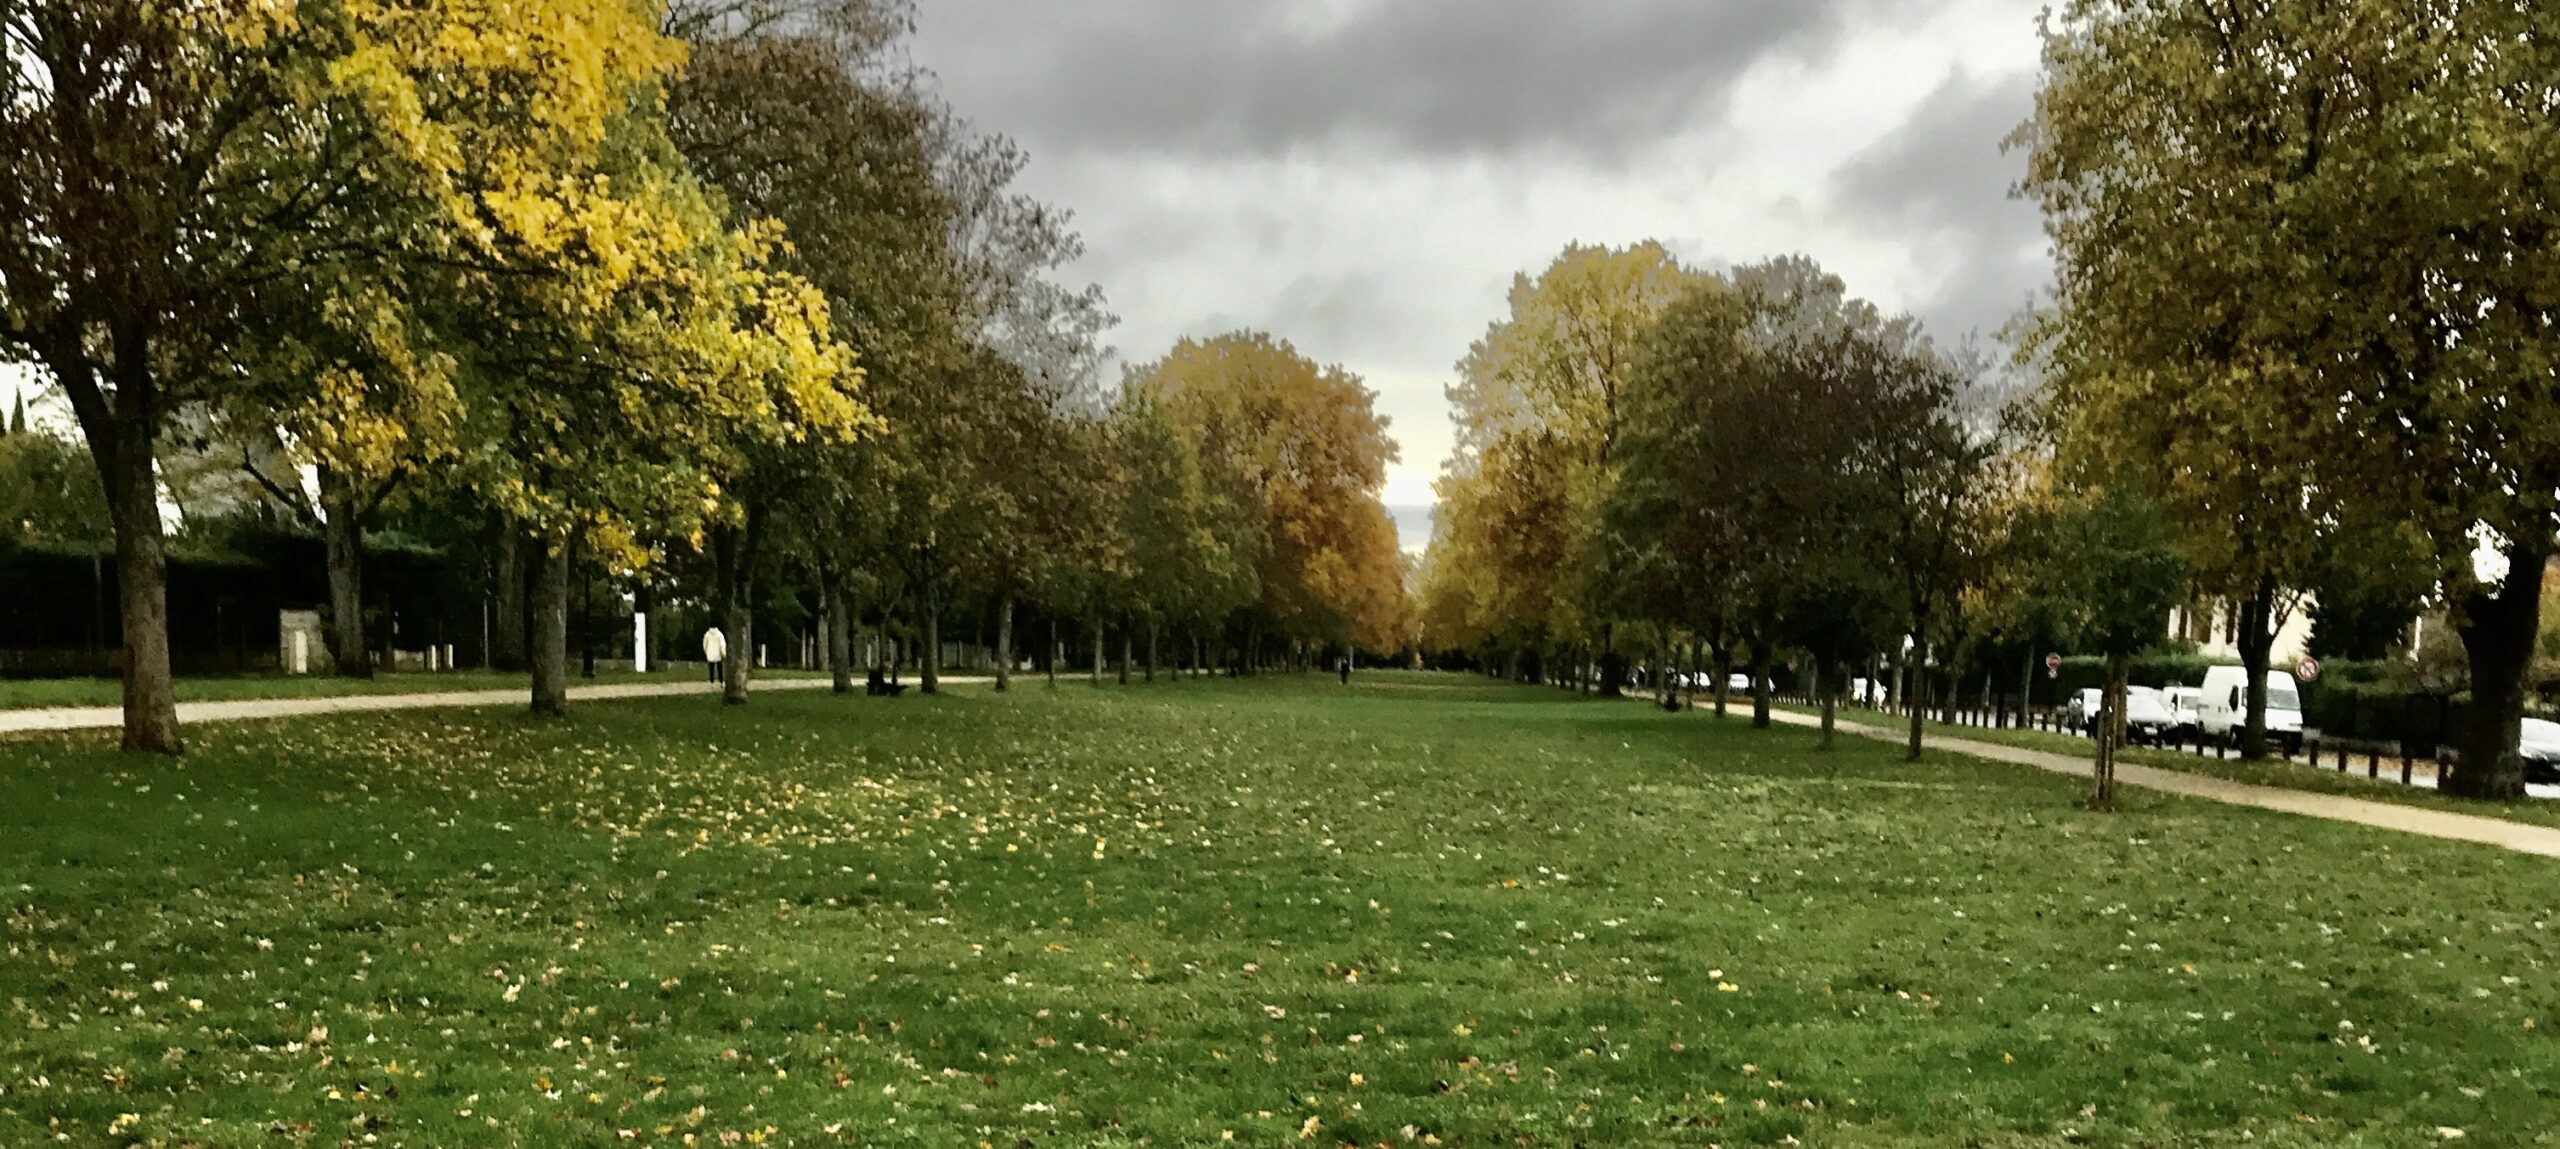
{"type": "Point", "coordinates": [1942, 183]}
{"type": "Point", "coordinates": [1435, 77]}
{"type": "Point", "coordinates": [1363, 177]}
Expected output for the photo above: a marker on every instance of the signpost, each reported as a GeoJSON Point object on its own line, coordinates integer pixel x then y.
{"type": "Point", "coordinates": [2053, 666]}
{"type": "Point", "coordinates": [2308, 670]}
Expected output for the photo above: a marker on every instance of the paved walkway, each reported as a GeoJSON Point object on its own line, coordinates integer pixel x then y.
{"type": "Point", "coordinates": [2517, 836]}
{"type": "Point", "coordinates": [189, 713]}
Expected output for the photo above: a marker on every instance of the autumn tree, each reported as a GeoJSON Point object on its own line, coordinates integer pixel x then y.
{"type": "Point", "coordinates": [797, 113]}
{"type": "Point", "coordinates": [1757, 397]}
{"type": "Point", "coordinates": [1503, 549]}
{"type": "Point", "coordinates": [2114, 564]}
{"type": "Point", "coordinates": [1557, 364]}
{"type": "Point", "coordinates": [612, 396]}
{"type": "Point", "coordinates": [1918, 470]}
{"type": "Point", "coordinates": [1308, 449]}
{"type": "Point", "coordinates": [2299, 259]}
{"type": "Point", "coordinates": [2014, 519]}
{"type": "Point", "coordinates": [1662, 509]}
{"type": "Point", "coordinates": [172, 169]}
{"type": "Point", "coordinates": [1189, 562]}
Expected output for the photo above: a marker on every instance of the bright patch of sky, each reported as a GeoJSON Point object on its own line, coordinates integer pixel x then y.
{"type": "Point", "coordinates": [1365, 178]}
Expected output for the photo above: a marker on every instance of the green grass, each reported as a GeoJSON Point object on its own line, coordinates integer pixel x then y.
{"type": "Point", "coordinates": [40, 693]}
{"type": "Point", "coordinates": [1418, 908]}
{"type": "Point", "coordinates": [2288, 775]}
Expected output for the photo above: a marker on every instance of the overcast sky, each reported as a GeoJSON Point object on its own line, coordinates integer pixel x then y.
{"type": "Point", "coordinates": [1364, 177]}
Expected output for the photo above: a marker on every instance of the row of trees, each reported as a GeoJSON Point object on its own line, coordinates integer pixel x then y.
{"type": "Point", "coordinates": [1730, 469]}
{"type": "Point", "coordinates": [708, 296]}
{"type": "Point", "coordinates": [1718, 470]}
{"type": "Point", "coordinates": [2301, 338]}
{"type": "Point", "coordinates": [2305, 302]}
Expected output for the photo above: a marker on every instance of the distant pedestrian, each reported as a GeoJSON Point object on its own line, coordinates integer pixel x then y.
{"type": "Point", "coordinates": [715, 652]}
{"type": "Point", "coordinates": [1346, 670]}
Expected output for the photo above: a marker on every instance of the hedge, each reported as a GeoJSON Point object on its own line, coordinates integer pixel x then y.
{"type": "Point", "coordinates": [2374, 712]}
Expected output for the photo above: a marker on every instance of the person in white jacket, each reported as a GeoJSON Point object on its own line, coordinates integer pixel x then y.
{"type": "Point", "coordinates": [715, 651]}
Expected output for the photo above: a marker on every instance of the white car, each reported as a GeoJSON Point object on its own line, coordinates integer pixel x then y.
{"type": "Point", "coordinates": [2538, 743]}
{"type": "Point", "coordinates": [2147, 715]}
{"type": "Point", "coordinates": [2225, 706]}
{"type": "Point", "coordinates": [2182, 702]}
{"type": "Point", "coordinates": [1738, 683]}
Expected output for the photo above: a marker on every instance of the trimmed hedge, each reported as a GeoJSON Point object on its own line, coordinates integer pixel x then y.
{"type": "Point", "coordinates": [2372, 712]}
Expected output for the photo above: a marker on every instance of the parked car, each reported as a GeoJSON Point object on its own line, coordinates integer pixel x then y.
{"type": "Point", "coordinates": [1866, 692]}
{"type": "Point", "coordinates": [1738, 683]}
{"type": "Point", "coordinates": [2147, 717]}
{"type": "Point", "coordinates": [2225, 707]}
{"type": "Point", "coordinates": [2183, 702]}
{"type": "Point", "coordinates": [2539, 746]}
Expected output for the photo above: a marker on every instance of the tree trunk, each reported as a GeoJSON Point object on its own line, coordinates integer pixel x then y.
{"type": "Point", "coordinates": [1004, 644]}
{"type": "Point", "coordinates": [1097, 652]}
{"type": "Point", "coordinates": [839, 636]}
{"type": "Point", "coordinates": [2257, 644]}
{"type": "Point", "coordinates": [1919, 720]}
{"type": "Point", "coordinates": [2110, 731]}
{"type": "Point", "coordinates": [551, 630]}
{"type": "Point", "coordinates": [1057, 652]}
{"type": "Point", "coordinates": [1152, 628]}
{"type": "Point", "coordinates": [1830, 705]}
{"type": "Point", "coordinates": [2498, 635]}
{"type": "Point", "coordinates": [730, 557]}
{"type": "Point", "coordinates": [507, 632]}
{"type": "Point", "coordinates": [929, 676]}
{"type": "Point", "coordinates": [1759, 684]}
{"type": "Point", "coordinates": [1613, 667]}
{"type": "Point", "coordinates": [1662, 671]}
{"type": "Point", "coordinates": [142, 592]}
{"type": "Point", "coordinates": [1128, 646]}
{"type": "Point", "coordinates": [1724, 677]}
{"type": "Point", "coordinates": [2027, 687]}
{"type": "Point", "coordinates": [342, 533]}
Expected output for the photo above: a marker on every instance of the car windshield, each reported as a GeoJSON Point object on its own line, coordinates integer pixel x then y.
{"type": "Point", "coordinates": [2281, 696]}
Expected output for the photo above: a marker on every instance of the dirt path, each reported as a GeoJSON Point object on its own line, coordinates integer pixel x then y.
{"type": "Point", "coordinates": [2498, 832]}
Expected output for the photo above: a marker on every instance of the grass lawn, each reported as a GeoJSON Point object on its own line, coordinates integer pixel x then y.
{"type": "Point", "coordinates": [2274, 772]}
{"type": "Point", "coordinates": [1419, 910]}
{"type": "Point", "coordinates": [40, 693]}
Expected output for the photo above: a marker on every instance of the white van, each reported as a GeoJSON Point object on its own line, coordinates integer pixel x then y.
{"type": "Point", "coordinates": [2224, 709]}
